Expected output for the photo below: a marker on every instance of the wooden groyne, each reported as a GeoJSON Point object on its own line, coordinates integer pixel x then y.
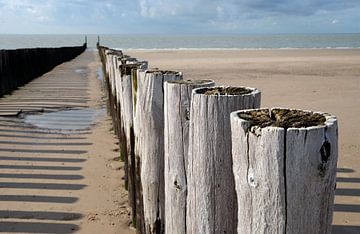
{"type": "Point", "coordinates": [20, 66]}
{"type": "Point", "coordinates": [196, 163]}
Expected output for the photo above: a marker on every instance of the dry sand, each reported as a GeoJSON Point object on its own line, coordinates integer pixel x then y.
{"type": "Point", "coordinates": [321, 80]}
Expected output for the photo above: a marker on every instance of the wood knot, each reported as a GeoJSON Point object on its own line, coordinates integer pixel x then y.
{"type": "Point", "coordinates": [187, 114]}
{"type": "Point", "coordinates": [251, 179]}
{"type": "Point", "coordinates": [177, 185]}
{"type": "Point", "coordinates": [325, 154]}
{"type": "Point", "coordinates": [325, 151]}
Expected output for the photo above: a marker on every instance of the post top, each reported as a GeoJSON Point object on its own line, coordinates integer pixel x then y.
{"type": "Point", "coordinates": [194, 82]}
{"type": "Point", "coordinates": [162, 72]}
{"type": "Point", "coordinates": [225, 91]}
{"type": "Point", "coordinates": [284, 118]}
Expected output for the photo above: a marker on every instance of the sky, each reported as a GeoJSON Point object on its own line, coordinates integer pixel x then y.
{"type": "Point", "coordinates": [179, 16]}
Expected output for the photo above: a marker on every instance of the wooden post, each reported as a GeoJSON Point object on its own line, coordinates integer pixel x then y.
{"type": "Point", "coordinates": [137, 82]}
{"type": "Point", "coordinates": [211, 200]}
{"type": "Point", "coordinates": [285, 169]}
{"type": "Point", "coordinates": [176, 138]}
{"type": "Point", "coordinates": [150, 100]}
{"type": "Point", "coordinates": [126, 103]}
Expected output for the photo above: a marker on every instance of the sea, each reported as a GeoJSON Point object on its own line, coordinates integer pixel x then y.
{"type": "Point", "coordinates": [187, 42]}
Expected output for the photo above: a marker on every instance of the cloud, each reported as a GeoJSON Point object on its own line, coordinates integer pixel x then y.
{"type": "Point", "coordinates": [174, 16]}
{"type": "Point", "coordinates": [234, 15]}
{"type": "Point", "coordinates": [35, 11]}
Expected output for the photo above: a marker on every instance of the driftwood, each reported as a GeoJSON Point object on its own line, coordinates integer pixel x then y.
{"type": "Point", "coordinates": [150, 103]}
{"type": "Point", "coordinates": [285, 168]}
{"type": "Point", "coordinates": [177, 112]}
{"type": "Point", "coordinates": [211, 200]}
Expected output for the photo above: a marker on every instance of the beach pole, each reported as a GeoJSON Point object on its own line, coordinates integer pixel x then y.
{"type": "Point", "coordinates": [176, 137]}
{"type": "Point", "coordinates": [211, 200]}
{"type": "Point", "coordinates": [150, 100]}
{"type": "Point", "coordinates": [137, 78]}
{"type": "Point", "coordinates": [285, 170]}
{"type": "Point", "coordinates": [126, 103]}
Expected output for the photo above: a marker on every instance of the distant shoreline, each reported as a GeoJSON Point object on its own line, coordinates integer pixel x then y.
{"type": "Point", "coordinates": [233, 49]}
{"type": "Point", "coordinates": [189, 42]}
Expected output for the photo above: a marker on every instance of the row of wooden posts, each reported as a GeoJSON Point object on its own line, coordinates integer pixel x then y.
{"type": "Point", "coordinates": [20, 66]}
{"type": "Point", "coordinates": [201, 158]}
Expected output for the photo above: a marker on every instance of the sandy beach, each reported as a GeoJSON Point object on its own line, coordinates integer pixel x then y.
{"type": "Point", "coordinates": [320, 80]}
{"type": "Point", "coordinates": [53, 182]}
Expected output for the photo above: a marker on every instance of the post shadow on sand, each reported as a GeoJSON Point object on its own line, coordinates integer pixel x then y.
{"type": "Point", "coordinates": [49, 186]}
{"type": "Point", "coordinates": [344, 170]}
{"type": "Point", "coordinates": [41, 159]}
{"type": "Point", "coordinates": [32, 167]}
{"type": "Point", "coordinates": [39, 132]}
{"type": "Point", "coordinates": [38, 199]}
{"type": "Point", "coordinates": [41, 176]}
{"type": "Point", "coordinates": [37, 227]}
{"type": "Point", "coordinates": [43, 151]}
{"type": "Point", "coordinates": [347, 191]}
{"type": "Point", "coordinates": [343, 229]}
{"type": "Point", "coordinates": [351, 208]}
{"type": "Point", "coordinates": [62, 172]}
{"type": "Point", "coordinates": [39, 215]}
{"type": "Point", "coordinates": [10, 136]}
{"type": "Point", "coordinates": [46, 143]}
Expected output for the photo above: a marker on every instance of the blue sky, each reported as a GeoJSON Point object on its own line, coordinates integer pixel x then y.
{"type": "Point", "coordinates": [179, 16]}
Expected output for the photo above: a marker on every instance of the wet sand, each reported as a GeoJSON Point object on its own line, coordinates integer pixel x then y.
{"type": "Point", "coordinates": [321, 80]}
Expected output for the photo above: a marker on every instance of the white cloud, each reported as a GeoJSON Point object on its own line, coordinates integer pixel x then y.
{"type": "Point", "coordinates": [335, 21]}
{"type": "Point", "coordinates": [36, 11]}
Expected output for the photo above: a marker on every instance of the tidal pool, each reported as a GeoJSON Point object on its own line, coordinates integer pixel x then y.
{"type": "Point", "coordinates": [68, 120]}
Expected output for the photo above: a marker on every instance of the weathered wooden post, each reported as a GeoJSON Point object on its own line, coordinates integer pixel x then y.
{"type": "Point", "coordinates": [126, 103]}
{"type": "Point", "coordinates": [284, 163]}
{"type": "Point", "coordinates": [137, 79]}
{"type": "Point", "coordinates": [211, 200]}
{"type": "Point", "coordinates": [150, 100]}
{"type": "Point", "coordinates": [176, 138]}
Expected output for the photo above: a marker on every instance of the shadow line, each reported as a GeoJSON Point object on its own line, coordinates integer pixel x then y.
{"type": "Point", "coordinates": [70, 160]}
{"type": "Point", "coordinates": [30, 167]}
{"type": "Point", "coordinates": [45, 143]}
{"type": "Point", "coordinates": [347, 192]}
{"type": "Point", "coordinates": [40, 215]}
{"type": "Point", "coordinates": [39, 199]}
{"type": "Point", "coordinates": [346, 208]}
{"type": "Point", "coordinates": [344, 170]}
{"type": "Point", "coordinates": [44, 151]}
{"type": "Point", "coordinates": [65, 137]}
{"type": "Point", "coordinates": [49, 186]}
{"type": "Point", "coordinates": [41, 176]}
{"type": "Point", "coordinates": [347, 180]}
{"type": "Point", "coordinates": [33, 227]}
{"type": "Point", "coordinates": [343, 229]}
{"type": "Point", "coordinates": [41, 132]}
